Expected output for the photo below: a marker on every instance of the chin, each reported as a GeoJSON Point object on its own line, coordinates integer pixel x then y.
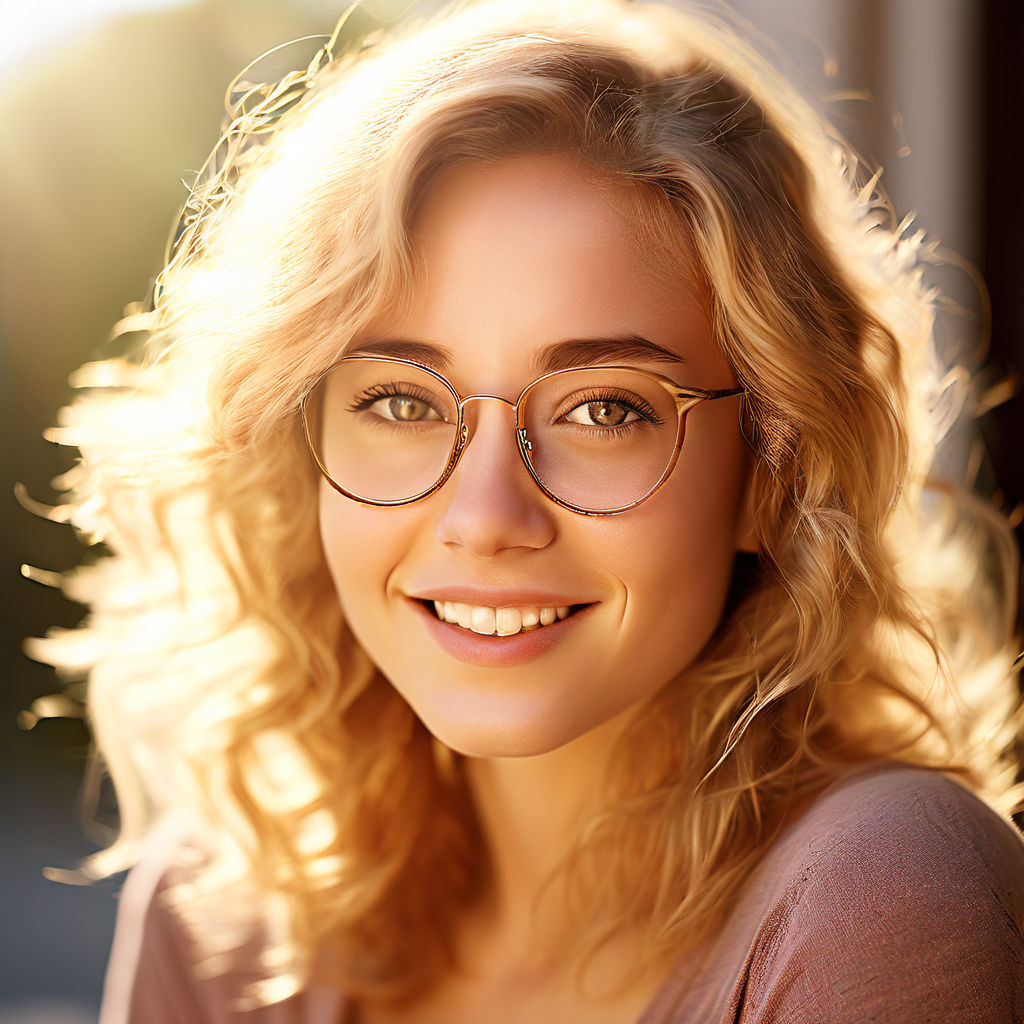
{"type": "Point", "coordinates": [488, 740]}
{"type": "Point", "coordinates": [513, 734]}
{"type": "Point", "coordinates": [519, 747]}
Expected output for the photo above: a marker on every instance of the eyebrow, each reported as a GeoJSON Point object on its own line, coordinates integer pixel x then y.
{"type": "Point", "coordinates": [437, 357]}
{"type": "Point", "coordinates": [559, 355]}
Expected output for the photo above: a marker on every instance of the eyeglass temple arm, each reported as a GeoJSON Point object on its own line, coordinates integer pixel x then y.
{"type": "Point", "coordinates": [709, 394]}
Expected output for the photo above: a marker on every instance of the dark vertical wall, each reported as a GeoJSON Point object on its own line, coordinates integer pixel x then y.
{"type": "Point", "coordinates": [1002, 204]}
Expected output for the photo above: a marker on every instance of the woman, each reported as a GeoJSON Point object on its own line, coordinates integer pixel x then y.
{"type": "Point", "coordinates": [523, 601]}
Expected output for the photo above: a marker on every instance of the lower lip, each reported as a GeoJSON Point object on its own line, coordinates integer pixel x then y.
{"type": "Point", "coordinates": [496, 651]}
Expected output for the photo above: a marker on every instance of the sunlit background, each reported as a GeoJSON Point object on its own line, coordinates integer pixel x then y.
{"type": "Point", "coordinates": [107, 105]}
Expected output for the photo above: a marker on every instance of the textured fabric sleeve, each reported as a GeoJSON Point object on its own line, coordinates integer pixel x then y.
{"type": "Point", "coordinates": [904, 908]}
{"type": "Point", "coordinates": [149, 976]}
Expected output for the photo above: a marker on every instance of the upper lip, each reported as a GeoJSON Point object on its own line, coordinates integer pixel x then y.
{"type": "Point", "coordinates": [489, 597]}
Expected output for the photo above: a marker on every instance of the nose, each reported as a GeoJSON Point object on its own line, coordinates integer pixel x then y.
{"type": "Point", "coordinates": [491, 502]}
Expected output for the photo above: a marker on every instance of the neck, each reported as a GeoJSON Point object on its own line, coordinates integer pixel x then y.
{"type": "Point", "coordinates": [529, 809]}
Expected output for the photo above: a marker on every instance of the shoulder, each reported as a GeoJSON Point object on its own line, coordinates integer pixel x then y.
{"type": "Point", "coordinates": [889, 822]}
{"type": "Point", "coordinates": [897, 896]}
{"type": "Point", "coordinates": [153, 976]}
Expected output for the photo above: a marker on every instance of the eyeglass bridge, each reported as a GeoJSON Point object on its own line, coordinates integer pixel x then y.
{"type": "Point", "coordinates": [521, 431]}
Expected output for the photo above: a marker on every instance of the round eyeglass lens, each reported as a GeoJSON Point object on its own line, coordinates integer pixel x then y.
{"type": "Point", "coordinates": [382, 430]}
{"type": "Point", "coordinates": [600, 439]}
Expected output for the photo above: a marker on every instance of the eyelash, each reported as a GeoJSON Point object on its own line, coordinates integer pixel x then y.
{"type": "Point", "coordinates": [375, 393]}
{"type": "Point", "coordinates": [628, 401]}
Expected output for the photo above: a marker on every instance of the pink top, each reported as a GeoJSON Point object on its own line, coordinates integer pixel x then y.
{"type": "Point", "coordinates": [896, 898]}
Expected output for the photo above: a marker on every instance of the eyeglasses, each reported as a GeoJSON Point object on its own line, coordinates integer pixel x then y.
{"type": "Point", "coordinates": [596, 440]}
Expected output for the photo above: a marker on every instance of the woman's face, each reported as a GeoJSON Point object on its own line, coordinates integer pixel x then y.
{"type": "Point", "coordinates": [517, 257]}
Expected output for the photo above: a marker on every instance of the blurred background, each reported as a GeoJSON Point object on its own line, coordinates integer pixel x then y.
{"type": "Point", "coordinates": [108, 106]}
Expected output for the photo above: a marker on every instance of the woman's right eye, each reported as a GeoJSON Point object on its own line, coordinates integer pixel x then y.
{"type": "Point", "coordinates": [398, 403]}
{"type": "Point", "coordinates": [404, 409]}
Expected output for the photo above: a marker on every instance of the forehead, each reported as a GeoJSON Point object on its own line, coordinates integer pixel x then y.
{"type": "Point", "coordinates": [557, 189]}
{"type": "Point", "coordinates": [533, 250]}
{"type": "Point", "coordinates": [542, 199]}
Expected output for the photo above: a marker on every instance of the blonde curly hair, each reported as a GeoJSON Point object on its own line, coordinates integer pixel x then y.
{"type": "Point", "coordinates": [224, 684]}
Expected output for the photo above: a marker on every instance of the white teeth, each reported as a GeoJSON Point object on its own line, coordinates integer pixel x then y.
{"type": "Point", "coordinates": [483, 620]}
{"type": "Point", "coordinates": [509, 621]}
{"type": "Point", "coordinates": [501, 621]}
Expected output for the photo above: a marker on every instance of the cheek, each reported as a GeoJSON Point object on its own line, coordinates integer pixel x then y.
{"type": "Point", "coordinates": [675, 559]}
{"type": "Point", "coordinates": [681, 559]}
{"type": "Point", "coordinates": [361, 546]}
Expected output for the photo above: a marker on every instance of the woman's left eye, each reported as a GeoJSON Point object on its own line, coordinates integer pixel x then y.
{"type": "Point", "coordinates": [603, 413]}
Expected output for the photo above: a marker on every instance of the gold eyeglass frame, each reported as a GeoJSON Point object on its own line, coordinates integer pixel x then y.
{"type": "Point", "coordinates": [685, 398]}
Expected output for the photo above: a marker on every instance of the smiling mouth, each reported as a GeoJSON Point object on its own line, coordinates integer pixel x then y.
{"type": "Point", "coordinates": [507, 621]}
